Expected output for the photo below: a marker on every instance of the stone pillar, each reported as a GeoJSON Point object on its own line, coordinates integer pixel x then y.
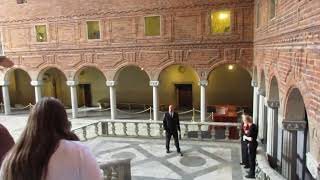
{"type": "Point", "coordinates": [203, 108]}
{"type": "Point", "coordinates": [113, 98]}
{"type": "Point", "coordinates": [255, 102]}
{"type": "Point", "coordinates": [6, 97]}
{"type": "Point", "coordinates": [74, 97]}
{"type": "Point", "coordinates": [37, 89]}
{"type": "Point", "coordinates": [261, 113]}
{"type": "Point", "coordinates": [155, 98]}
{"type": "Point", "coordinates": [272, 134]}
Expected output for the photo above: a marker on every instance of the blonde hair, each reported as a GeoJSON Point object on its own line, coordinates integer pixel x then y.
{"type": "Point", "coordinates": [247, 118]}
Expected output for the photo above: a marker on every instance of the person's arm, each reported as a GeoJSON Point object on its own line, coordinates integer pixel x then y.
{"type": "Point", "coordinates": [165, 122]}
{"type": "Point", "coordinates": [178, 122]}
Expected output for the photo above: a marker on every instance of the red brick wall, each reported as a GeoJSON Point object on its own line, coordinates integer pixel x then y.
{"type": "Point", "coordinates": [287, 47]}
{"type": "Point", "coordinates": [185, 35]}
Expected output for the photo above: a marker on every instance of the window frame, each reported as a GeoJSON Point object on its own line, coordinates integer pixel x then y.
{"type": "Point", "coordinates": [231, 22]}
{"type": "Point", "coordinates": [275, 8]}
{"type": "Point", "coordinates": [100, 30]}
{"type": "Point", "coordinates": [47, 33]}
{"type": "Point", "coordinates": [144, 26]}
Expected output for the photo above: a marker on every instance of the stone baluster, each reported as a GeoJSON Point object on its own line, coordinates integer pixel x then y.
{"type": "Point", "coordinates": [199, 132]}
{"type": "Point", "coordinates": [148, 130]}
{"type": "Point", "coordinates": [227, 133]}
{"type": "Point", "coordinates": [124, 124]}
{"type": "Point", "coordinates": [84, 132]}
{"type": "Point", "coordinates": [113, 128]}
{"type": "Point", "coordinates": [161, 130]}
{"type": "Point", "coordinates": [136, 127]}
{"type": "Point", "coordinates": [186, 131]}
{"type": "Point", "coordinates": [96, 128]}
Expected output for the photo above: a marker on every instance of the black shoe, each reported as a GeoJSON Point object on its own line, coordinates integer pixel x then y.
{"type": "Point", "coordinates": [168, 151]}
{"type": "Point", "coordinates": [180, 153]}
{"type": "Point", "coordinates": [246, 167]}
{"type": "Point", "coordinates": [250, 176]}
{"type": "Point", "coordinates": [242, 163]}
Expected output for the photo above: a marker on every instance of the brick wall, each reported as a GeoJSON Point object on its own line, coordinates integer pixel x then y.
{"type": "Point", "coordinates": [287, 47]}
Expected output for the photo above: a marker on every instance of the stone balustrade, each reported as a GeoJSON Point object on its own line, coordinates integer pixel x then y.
{"type": "Point", "coordinates": [217, 131]}
{"type": "Point", "coordinates": [263, 170]}
{"type": "Point", "coordinates": [116, 169]}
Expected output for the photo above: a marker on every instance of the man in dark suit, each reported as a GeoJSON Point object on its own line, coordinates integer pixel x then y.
{"type": "Point", "coordinates": [171, 125]}
{"type": "Point", "coordinates": [251, 138]}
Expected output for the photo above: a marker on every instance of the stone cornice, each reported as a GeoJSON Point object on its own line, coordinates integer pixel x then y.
{"type": "Point", "coordinates": [117, 13]}
{"type": "Point", "coordinates": [291, 125]}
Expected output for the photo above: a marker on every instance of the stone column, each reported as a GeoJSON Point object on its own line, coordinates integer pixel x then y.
{"type": "Point", "coordinates": [261, 113]}
{"type": "Point", "coordinates": [272, 128]}
{"type": "Point", "coordinates": [74, 97]}
{"type": "Point", "coordinates": [203, 108]}
{"type": "Point", "coordinates": [6, 97]}
{"type": "Point", "coordinates": [37, 89]}
{"type": "Point", "coordinates": [113, 98]}
{"type": "Point", "coordinates": [155, 98]}
{"type": "Point", "coordinates": [255, 102]}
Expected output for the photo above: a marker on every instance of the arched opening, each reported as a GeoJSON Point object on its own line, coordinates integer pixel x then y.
{"type": "Point", "coordinates": [92, 89]}
{"type": "Point", "coordinates": [296, 142]}
{"type": "Point", "coordinates": [179, 86]}
{"type": "Point", "coordinates": [133, 90]}
{"type": "Point", "coordinates": [230, 85]}
{"type": "Point", "coordinates": [54, 85]}
{"type": "Point", "coordinates": [273, 128]}
{"type": "Point", "coordinates": [20, 90]}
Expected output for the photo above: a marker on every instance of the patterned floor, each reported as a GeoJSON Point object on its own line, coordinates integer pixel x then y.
{"type": "Point", "coordinates": [201, 160]}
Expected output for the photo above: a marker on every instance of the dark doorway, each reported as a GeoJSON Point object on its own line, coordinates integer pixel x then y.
{"type": "Point", "coordinates": [184, 96]}
{"type": "Point", "coordinates": [85, 90]}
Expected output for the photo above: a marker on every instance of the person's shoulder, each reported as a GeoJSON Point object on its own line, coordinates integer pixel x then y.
{"type": "Point", "coordinates": [72, 145]}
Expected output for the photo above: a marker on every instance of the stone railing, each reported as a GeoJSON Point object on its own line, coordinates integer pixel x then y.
{"type": "Point", "coordinates": [263, 170]}
{"type": "Point", "coordinates": [217, 131]}
{"type": "Point", "coordinates": [116, 169]}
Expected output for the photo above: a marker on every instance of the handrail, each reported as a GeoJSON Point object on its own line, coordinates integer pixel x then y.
{"type": "Point", "coordinates": [264, 170]}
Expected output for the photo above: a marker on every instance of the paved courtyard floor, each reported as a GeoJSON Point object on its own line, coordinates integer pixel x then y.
{"type": "Point", "coordinates": [202, 159]}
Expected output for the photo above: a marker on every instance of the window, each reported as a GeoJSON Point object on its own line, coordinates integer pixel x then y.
{"type": "Point", "coordinates": [272, 8]}
{"type": "Point", "coordinates": [258, 14]}
{"type": "Point", "coordinates": [21, 1]}
{"type": "Point", "coordinates": [93, 29]}
{"type": "Point", "coordinates": [221, 22]}
{"type": "Point", "coordinates": [152, 25]}
{"type": "Point", "coordinates": [41, 33]}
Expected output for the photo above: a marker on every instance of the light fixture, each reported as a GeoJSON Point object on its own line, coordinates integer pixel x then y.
{"type": "Point", "coordinates": [223, 16]}
{"type": "Point", "coordinates": [230, 67]}
{"type": "Point", "coordinates": [141, 69]}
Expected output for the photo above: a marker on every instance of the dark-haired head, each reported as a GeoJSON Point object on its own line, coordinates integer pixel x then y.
{"type": "Point", "coordinates": [47, 125]}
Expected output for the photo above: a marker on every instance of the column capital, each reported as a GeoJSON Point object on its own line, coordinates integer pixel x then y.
{"type": "Point", "coordinates": [4, 83]}
{"type": "Point", "coordinates": [254, 83]}
{"type": "Point", "coordinates": [72, 83]}
{"type": "Point", "coordinates": [36, 83]}
{"type": "Point", "coordinates": [294, 125]}
{"type": "Point", "coordinates": [111, 83]}
{"type": "Point", "coordinates": [154, 83]}
{"type": "Point", "coordinates": [273, 104]}
{"type": "Point", "coordinates": [203, 83]}
{"type": "Point", "coordinates": [261, 91]}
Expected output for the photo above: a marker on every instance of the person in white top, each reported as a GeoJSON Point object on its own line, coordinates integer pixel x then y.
{"type": "Point", "coordinates": [48, 150]}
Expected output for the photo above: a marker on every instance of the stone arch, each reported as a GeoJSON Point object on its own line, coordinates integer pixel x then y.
{"type": "Point", "coordinates": [230, 84]}
{"type": "Point", "coordinates": [172, 79]}
{"type": "Point", "coordinates": [40, 73]}
{"type": "Point", "coordinates": [219, 64]}
{"type": "Point", "coordinates": [126, 65]}
{"type": "Point", "coordinates": [91, 88]}
{"type": "Point", "coordinates": [157, 75]}
{"type": "Point", "coordinates": [9, 71]}
{"type": "Point", "coordinates": [297, 132]}
{"type": "Point", "coordinates": [75, 75]}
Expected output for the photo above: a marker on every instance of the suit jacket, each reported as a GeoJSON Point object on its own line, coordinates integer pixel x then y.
{"type": "Point", "coordinates": [171, 124]}
{"type": "Point", "coordinates": [253, 132]}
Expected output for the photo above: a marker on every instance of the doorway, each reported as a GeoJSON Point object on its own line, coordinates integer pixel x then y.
{"type": "Point", "coordinates": [184, 96]}
{"type": "Point", "coordinates": [86, 96]}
